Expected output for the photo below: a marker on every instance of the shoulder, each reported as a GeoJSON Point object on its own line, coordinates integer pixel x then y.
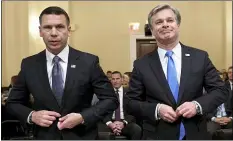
{"type": "Point", "coordinates": [31, 60]}
{"type": "Point", "coordinates": [144, 59]}
{"type": "Point", "coordinates": [83, 55]}
{"type": "Point", "coordinates": [194, 50]}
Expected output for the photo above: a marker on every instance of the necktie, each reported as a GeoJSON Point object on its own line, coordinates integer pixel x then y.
{"type": "Point", "coordinates": [173, 84]}
{"type": "Point", "coordinates": [117, 111]}
{"type": "Point", "coordinates": [57, 80]}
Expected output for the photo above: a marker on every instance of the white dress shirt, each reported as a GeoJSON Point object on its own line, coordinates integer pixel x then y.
{"type": "Point", "coordinates": [64, 61]}
{"type": "Point", "coordinates": [177, 58]}
{"type": "Point", "coordinates": [121, 93]}
{"type": "Point", "coordinates": [64, 54]}
{"type": "Point", "coordinates": [230, 84]}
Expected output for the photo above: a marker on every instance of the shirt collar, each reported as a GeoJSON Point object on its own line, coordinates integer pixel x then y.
{"type": "Point", "coordinates": [176, 50]}
{"type": "Point", "coordinates": [230, 82]}
{"type": "Point", "coordinates": [120, 89]}
{"type": "Point", "coordinates": [63, 55]}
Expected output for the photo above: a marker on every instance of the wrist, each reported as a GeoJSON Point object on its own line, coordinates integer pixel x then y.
{"type": "Point", "coordinates": [32, 117]}
{"type": "Point", "coordinates": [198, 108]}
{"type": "Point", "coordinates": [213, 119]}
{"type": "Point", "coordinates": [81, 118]}
{"type": "Point", "coordinates": [125, 122]}
{"type": "Point", "coordinates": [159, 107]}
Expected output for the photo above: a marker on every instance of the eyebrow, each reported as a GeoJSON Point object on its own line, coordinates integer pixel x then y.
{"type": "Point", "coordinates": [165, 19]}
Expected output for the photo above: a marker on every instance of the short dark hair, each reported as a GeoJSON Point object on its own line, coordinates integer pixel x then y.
{"type": "Point", "coordinates": [109, 71]}
{"type": "Point", "coordinates": [230, 67]}
{"type": "Point", "coordinates": [54, 10]}
{"type": "Point", "coordinates": [128, 74]}
{"type": "Point", "coordinates": [117, 72]}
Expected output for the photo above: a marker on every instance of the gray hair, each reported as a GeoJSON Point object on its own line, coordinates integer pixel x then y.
{"type": "Point", "coordinates": [160, 7]}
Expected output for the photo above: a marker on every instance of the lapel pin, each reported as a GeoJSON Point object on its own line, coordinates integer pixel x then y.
{"type": "Point", "coordinates": [187, 54]}
{"type": "Point", "coordinates": [73, 66]}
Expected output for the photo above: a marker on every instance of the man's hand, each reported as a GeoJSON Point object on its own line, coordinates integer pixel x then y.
{"type": "Point", "coordinates": [222, 120]}
{"type": "Point", "coordinates": [113, 127]}
{"type": "Point", "coordinates": [119, 125]}
{"type": "Point", "coordinates": [44, 118]}
{"type": "Point", "coordinates": [167, 113]}
{"type": "Point", "coordinates": [187, 110]}
{"type": "Point", "coordinates": [69, 121]}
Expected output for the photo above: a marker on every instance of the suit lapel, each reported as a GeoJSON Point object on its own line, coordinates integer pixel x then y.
{"type": "Point", "coordinates": [72, 70]}
{"type": "Point", "coordinates": [48, 95]}
{"type": "Point", "coordinates": [185, 70]}
{"type": "Point", "coordinates": [158, 72]}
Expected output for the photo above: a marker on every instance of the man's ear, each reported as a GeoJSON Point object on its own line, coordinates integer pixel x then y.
{"type": "Point", "coordinates": [69, 29]}
{"type": "Point", "coordinates": [40, 31]}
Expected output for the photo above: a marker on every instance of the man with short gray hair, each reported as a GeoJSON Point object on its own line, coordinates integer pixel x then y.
{"type": "Point", "coordinates": [166, 87]}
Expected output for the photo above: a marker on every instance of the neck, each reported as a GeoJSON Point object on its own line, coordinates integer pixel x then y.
{"type": "Point", "coordinates": [57, 51]}
{"type": "Point", "coordinates": [167, 46]}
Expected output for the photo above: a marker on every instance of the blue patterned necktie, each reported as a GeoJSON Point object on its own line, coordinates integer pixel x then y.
{"type": "Point", "coordinates": [57, 80]}
{"type": "Point", "coordinates": [173, 84]}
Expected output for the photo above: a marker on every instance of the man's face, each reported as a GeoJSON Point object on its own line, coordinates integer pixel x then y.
{"type": "Point", "coordinates": [230, 74]}
{"type": "Point", "coordinates": [164, 26]}
{"type": "Point", "coordinates": [116, 80]}
{"type": "Point", "coordinates": [109, 75]}
{"type": "Point", "coordinates": [125, 79]}
{"type": "Point", "coordinates": [55, 32]}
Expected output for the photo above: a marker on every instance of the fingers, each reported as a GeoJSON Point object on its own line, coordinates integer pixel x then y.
{"type": "Point", "coordinates": [52, 113]}
{"type": "Point", "coordinates": [187, 110]}
{"type": "Point", "coordinates": [63, 118]}
{"type": "Point", "coordinates": [181, 110]}
{"type": "Point", "coordinates": [62, 125]}
{"type": "Point", "coordinates": [116, 131]}
{"type": "Point", "coordinates": [170, 116]}
{"type": "Point", "coordinates": [50, 118]}
{"type": "Point", "coordinates": [187, 114]}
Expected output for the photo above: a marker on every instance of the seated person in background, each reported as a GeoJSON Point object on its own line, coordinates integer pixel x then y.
{"type": "Point", "coordinates": [221, 118]}
{"type": "Point", "coordinates": [125, 80]}
{"type": "Point", "coordinates": [119, 122]}
{"type": "Point", "coordinates": [109, 74]}
{"type": "Point", "coordinates": [13, 81]}
{"type": "Point", "coordinates": [4, 98]}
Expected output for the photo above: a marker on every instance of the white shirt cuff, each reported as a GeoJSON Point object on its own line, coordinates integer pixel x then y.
{"type": "Point", "coordinates": [107, 123]}
{"type": "Point", "coordinates": [28, 117]}
{"type": "Point", "coordinates": [157, 111]}
{"type": "Point", "coordinates": [199, 107]}
{"type": "Point", "coordinates": [213, 118]}
{"type": "Point", "coordinates": [125, 121]}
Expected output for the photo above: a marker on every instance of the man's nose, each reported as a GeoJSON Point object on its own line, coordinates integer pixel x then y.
{"type": "Point", "coordinates": [53, 31]}
{"type": "Point", "coordinates": [165, 24]}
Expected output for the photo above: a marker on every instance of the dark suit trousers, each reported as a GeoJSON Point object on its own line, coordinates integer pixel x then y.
{"type": "Point", "coordinates": [212, 127]}
{"type": "Point", "coordinates": [131, 131]}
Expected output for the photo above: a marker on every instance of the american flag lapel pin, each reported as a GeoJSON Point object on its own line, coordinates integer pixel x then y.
{"type": "Point", "coordinates": [73, 66]}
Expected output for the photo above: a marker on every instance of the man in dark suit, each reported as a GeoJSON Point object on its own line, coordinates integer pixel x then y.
{"type": "Point", "coordinates": [166, 86]}
{"type": "Point", "coordinates": [62, 81]}
{"type": "Point", "coordinates": [119, 122]}
{"type": "Point", "coordinates": [221, 118]}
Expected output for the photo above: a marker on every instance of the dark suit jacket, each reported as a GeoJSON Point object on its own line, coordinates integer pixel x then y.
{"type": "Point", "coordinates": [127, 117]}
{"type": "Point", "coordinates": [148, 87]}
{"type": "Point", "coordinates": [227, 104]}
{"type": "Point", "coordinates": [81, 82]}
